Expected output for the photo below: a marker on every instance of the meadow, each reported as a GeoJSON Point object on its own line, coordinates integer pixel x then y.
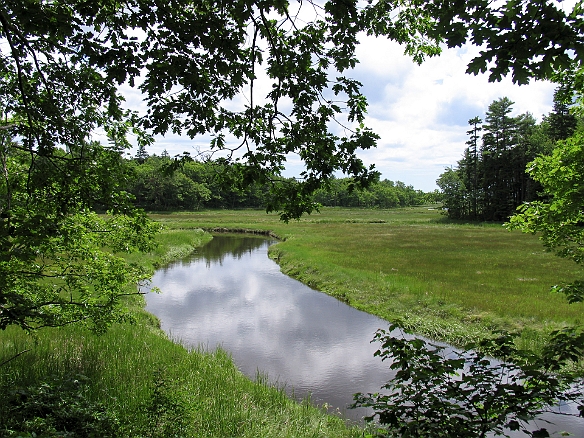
{"type": "Point", "coordinates": [451, 281]}
{"type": "Point", "coordinates": [134, 381]}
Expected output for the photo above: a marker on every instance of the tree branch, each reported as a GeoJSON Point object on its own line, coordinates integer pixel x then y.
{"type": "Point", "coordinates": [14, 357]}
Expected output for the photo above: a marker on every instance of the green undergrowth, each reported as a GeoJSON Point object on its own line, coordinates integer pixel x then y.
{"type": "Point", "coordinates": [134, 381]}
{"type": "Point", "coordinates": [152, 387]}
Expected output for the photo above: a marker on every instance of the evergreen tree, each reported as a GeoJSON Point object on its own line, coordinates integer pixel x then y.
{"type": "Point", "coordinates": [498, 140]}
{"type": "Point", "coordinates": [141, 154]}
{"type": "Point", "coordinates": [472, 163]}
{"type": "Point", "coordinates": [521, 155]}
{"type": "Point", "coordinates": [491, 179]}
{"type": "Point", "coordinates": [562, 123]}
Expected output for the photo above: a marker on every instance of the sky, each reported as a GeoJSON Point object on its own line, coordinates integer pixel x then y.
{"type": "Point", "coordinates": [420, 112]}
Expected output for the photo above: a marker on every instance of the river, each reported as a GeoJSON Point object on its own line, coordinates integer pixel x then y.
{"type": "Point", "coordinates": [230, 294]}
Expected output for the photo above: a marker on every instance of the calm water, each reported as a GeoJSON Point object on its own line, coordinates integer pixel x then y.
{"type": "Point", "coordinates": [232, 295]}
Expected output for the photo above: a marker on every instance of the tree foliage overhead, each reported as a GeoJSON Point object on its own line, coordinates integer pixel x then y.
{"type": "Point", "coordinates": [528, 39]}
{"type": "Point", "coordinates": [57, 256]}
{"type": "Point", "coordinates": [198, 66]}
{"type": "Point", "coordinates": [64, 61]}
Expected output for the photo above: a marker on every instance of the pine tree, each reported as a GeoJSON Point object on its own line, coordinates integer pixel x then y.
{"type": "Point", "coordinates": [141, 154]}
{"type": "Point", "coordinates": [498, 141]}
{"type": "Point", "coordinates": [562, 123]}
{"type": "Point", "coordinates": [473, 163]}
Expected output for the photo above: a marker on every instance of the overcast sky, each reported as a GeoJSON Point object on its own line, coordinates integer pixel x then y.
{"type": "Point", "coordinates": [420, 112]}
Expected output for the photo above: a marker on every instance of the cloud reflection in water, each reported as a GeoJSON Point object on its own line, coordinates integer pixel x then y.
{"type": "Point", "coordinates": [240, 300]}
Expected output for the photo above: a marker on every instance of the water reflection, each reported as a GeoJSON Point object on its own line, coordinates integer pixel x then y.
{"type": "Point", "coordinates": [230, 246]}
{"type": "Point", "coordinates": [232, 295]}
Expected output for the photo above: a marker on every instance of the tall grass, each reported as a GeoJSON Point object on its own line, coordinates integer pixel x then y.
{"type": "Point", "coordinates": [171, 244]}
{"type": "Point", "coordinates": [151, 386]}
{"type": "Point", "coordinates": [135, 371]}
{"type": "Point", "coordinates": [453, 281]}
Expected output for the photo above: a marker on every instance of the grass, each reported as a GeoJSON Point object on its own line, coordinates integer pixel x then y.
{"type": "Point", "coordinates": [129, 367]}
{"type": "Point", "coordinates": [451, 281]}
{"type": "Point", "coordinates": [172, 244]}
{"type": "Point", "coordinates": [151, 386]}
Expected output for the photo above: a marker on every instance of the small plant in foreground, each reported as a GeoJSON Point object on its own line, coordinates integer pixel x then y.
{"type": "Point", "coordinates": [55, 408]}
{"type": "Point", "coordinates": [166, 411]}
{"type": "Point", "coordinates": [441, 393]}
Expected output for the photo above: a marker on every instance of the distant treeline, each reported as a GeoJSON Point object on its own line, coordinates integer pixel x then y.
{"type": "Point", "coordinates": [157, 183]}
{"type": "Point", "coordinates": [490, 181]}
{"type": "Point", "coordinates": [382, 194]}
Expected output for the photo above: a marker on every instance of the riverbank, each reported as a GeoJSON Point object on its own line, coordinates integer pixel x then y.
{"type": "Point", "coordinates": [451, 281]}
{"type": "Point", "coordinates": [454, 282]}
{"type": "Point", "coordinates": [134, 381]}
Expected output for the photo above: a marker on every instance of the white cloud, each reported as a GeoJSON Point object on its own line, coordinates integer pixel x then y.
{"type": "Point", "coordinates": [420, 112]}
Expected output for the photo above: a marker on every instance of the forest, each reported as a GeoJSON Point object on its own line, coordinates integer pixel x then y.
{"type": "Point", "coordinates": [158, 184]}
{"type": "Point", "coordinates": [492, 178]}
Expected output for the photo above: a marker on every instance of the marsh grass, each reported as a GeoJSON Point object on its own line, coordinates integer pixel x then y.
{"type": "Point", "coordinates": [158, 388]}
{"type": "Point", "coordinates": [451, 281]}
{"type": "Point", "coordinates": [454, 281]}
{"type": "Point", "coordinates": [171, 244]}
{"type": "Point", "coordinates": [150, 385]}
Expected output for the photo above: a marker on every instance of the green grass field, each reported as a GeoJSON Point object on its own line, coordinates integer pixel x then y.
{"type": "Point", "coordinates": [451, 281]}
{"type": "Point", "coordinates": [148, 385]}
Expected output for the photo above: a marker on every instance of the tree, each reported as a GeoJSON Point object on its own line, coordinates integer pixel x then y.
{"type": "Point", "coordinates": [525, 38]}
{"type": "Point", "coordinates": [526, 148]}
{"type": "Point", "coordinates": [472, 162]}
{"type": "Point", "coordinates": [157, 187]}
{"type": "Point", "coordinates": [63, 62]}
{"type": "Point", "coordinates": [561, 122]}
{"type": "Point", "coordinates": [442, 393]}
{"type": "Point", "coordinates": [559, 217]}
{"type": "Point", "coordinates": [386, 194]}
{"type": "Point", "coordinates": [141, 154]}
{"type": "Point", "coordinates": [493, 179]}
{"type": "Point", "coordinates": [454, 194]}
{"type": "Point", "coordinates": [498, 140]}
{"type": "Point", "coordinates": [57, 256]}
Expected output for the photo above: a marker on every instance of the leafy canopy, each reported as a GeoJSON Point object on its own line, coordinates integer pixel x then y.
{"type": "Point", "coordinates": [64, 61]}
{"type": "Point", "coordinates": [559, 218]}
{"type": "Point", "coordinates": [197, 66]}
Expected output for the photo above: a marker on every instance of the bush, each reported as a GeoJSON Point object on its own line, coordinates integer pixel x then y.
{"type": "Point", "coordinates": [55, 408]}
{"type": "Point", "coordinates": [441, 393]}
